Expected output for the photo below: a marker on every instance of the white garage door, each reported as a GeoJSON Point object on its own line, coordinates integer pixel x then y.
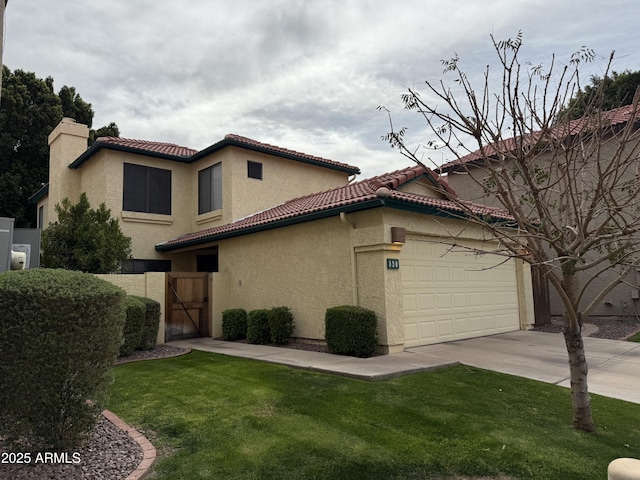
{"type": "Point", "coordinates": [451, 294]}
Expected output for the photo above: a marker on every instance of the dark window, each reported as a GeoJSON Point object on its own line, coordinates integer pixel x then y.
{"type": "Point", "coordinates": [41, 217]}
{"type": "Point", "coordinates": [254, 170]}
{"type": "Point", "coordinates": [207, 263]}
{"type": "Point", "coordinates": [210, 189]}
{"type": "Point", "coordinates": [142, 266]}
{"type": "Point", "coordinates": [146, 189]}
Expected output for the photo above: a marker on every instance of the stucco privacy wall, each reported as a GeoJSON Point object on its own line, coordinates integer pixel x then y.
{"type": "Point", "coordinates": [150, 285]}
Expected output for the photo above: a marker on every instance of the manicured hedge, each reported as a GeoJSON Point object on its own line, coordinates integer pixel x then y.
{"type": "Point", "coordinates": [281, 325]}
{"type": "Point", "coordinates": [149, 335]}
{"type": "Point", "coordinates": [351, 331]}
{"type": "Point", "coordinates": [258, 331]}
{"type": "Point", "coordinates": [234, 324]}
{"type": "Point", "coordinates": [132, 332]}
{"type": "Point", "coordinates": [60, 332]}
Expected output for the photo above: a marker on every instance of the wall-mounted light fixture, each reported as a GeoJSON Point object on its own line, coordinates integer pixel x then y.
{"type": "Point", "coordinates": [398, 235]}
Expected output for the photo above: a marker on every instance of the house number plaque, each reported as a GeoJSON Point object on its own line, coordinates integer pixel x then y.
{"type": "Point", "coordinates": [393, 263]}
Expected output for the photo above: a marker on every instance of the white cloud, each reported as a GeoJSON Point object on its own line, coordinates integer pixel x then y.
{"type": "Point", "coordinates": [304, 75]}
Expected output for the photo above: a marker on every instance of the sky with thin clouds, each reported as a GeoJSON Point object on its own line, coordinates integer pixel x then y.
{"type": "Point", "coordinates": [304, 75]}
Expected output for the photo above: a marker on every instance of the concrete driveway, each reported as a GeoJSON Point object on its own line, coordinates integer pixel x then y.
{"type": "Point", "coordinates": [614, 366]}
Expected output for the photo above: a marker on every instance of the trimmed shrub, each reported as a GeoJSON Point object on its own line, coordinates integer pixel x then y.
{"type": "Point", "coordinates": [351, 331]}
{"type": "Point", "coordinates": [281, 325]}
{"type": "Point", "coordinates": [258, 331]}
{"type": "Point", "coordinates": [149, 335]}
{"type": "Point", "coordinates": [132, 331]}
{"type": "Point", "coordinates": [60, 332]}
{"type": "Point", "coordinates": [234, 324]}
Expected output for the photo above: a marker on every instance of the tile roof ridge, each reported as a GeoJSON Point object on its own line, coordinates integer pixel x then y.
{"type": "Point", "coordinates": [255, 143]}
{"type": "Point", "coordinates": [112, 139]}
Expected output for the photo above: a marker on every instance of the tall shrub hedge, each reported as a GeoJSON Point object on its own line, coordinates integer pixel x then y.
{"type": "Point", "coordinates": [234, 324]}
{"type": "Point", "coordinates": [149, 335]}
{"type": "Point", "coordinates": [60, 332]}
{"type": "Point", "coordinates": [132, 331]}
{"type": "Point", "coordinates": [351, 331]}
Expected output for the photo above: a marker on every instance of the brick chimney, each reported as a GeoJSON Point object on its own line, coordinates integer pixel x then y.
{"type": "Point", "coordinates": [67, 142]}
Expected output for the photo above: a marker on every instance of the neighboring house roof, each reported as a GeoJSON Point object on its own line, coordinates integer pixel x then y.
{"type": "Point", "coordinates": [610, 118]}
{"type": "Point", "coordinates": [374, 192]}
{"type": "Point", "coordinates": [171, 151]}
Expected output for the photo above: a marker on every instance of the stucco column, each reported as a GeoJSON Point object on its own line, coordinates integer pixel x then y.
{"type": "Point", "coordinates": [380, 290]}
{"type": "Point", "coordinates": [66, 143]}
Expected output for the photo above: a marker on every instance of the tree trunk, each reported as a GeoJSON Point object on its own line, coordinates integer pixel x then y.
{"type": "Point", "coordinates": [580, 400]}
{"type": "Point", "coordinates": [578, 369]}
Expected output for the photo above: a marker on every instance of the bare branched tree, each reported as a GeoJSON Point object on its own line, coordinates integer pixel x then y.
{"type": "Point", "coordinates": [571, 186]}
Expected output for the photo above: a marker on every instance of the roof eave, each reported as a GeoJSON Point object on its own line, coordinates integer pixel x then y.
{"type": "Point", "coordinates": [399, 204]}
{"type": "Point", "coordinates": [231, 142]}
{"type": "Point", "coordinates": [40, 194]}
{"type": "Point", "coordinates": [368, 204]}
{"type": "Point", "coordinates": [91, 151]}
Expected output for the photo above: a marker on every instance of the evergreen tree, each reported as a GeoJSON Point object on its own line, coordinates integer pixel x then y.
{"type": "Point", "coordinates": [84, 239]}
{"type": "Point", "coordinates": [29, 110]}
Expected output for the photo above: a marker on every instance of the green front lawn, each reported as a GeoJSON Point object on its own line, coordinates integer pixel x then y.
{"type": "Point", "coordinates": [219, 417]}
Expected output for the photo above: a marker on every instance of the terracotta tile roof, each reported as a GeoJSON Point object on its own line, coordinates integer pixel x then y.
{"type": "Point", "coordinates": [373, 192]}
{"type": "Point", "coordinates": [144, 145]}
{"type": "Point", "coordinates": [249, 144]}
{"type": "Point", "coordinates": [171, 151]}
{"type": "Point", "coordinates": [612, 118]}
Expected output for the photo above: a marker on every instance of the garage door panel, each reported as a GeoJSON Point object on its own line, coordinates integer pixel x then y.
{"type": "Point", "coordinates": [450, 294]}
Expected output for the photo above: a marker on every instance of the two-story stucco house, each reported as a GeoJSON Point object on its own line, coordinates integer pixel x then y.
{"type": "Point", "coordinates": [273, 227]}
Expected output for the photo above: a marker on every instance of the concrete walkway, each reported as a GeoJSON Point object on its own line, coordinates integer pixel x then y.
{"type": "Point", "coordinates": [614, 366]}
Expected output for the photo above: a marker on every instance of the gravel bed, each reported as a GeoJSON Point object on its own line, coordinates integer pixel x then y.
{"type": "Point", "coordinates": [109, 455]}
{"type": "Point", "coordinates": [610, 328]}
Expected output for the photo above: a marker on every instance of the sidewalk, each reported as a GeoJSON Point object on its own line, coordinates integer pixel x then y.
{"type": "Point", "coordinates": [613, 365]}
{"type": "Point", "coordinates": [375, 368]}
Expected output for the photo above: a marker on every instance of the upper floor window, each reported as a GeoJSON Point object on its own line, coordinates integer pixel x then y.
{"type": "Point", "coordinates": [146, 189]}
{"type": "Point", "coordinates": [210, 189]}
{"type": "Point", "coordinates": [254, 170]}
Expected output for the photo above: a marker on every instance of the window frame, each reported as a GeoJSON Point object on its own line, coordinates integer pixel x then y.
{"type": "Point", "coordinates": [257, 174]}
{"type": "Point", "coordinates": [146, 189]}
{"type": "Point", "coordinates": [210, 189]}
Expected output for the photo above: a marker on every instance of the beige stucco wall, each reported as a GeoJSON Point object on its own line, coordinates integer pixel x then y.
{"type": "Point", "coordinates": [282, 180]}
{"type": "Point", "coordinates": [305, 267]}
{"type": "Point", "coordinates": [67, 141]}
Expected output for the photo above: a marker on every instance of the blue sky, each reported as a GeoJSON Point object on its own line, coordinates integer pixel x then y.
{"type": "Point", "coordinates": [305, 75]}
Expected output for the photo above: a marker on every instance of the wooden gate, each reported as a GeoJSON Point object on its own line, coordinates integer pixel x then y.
{"type": "Point", "coordinates": [187, 308]}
